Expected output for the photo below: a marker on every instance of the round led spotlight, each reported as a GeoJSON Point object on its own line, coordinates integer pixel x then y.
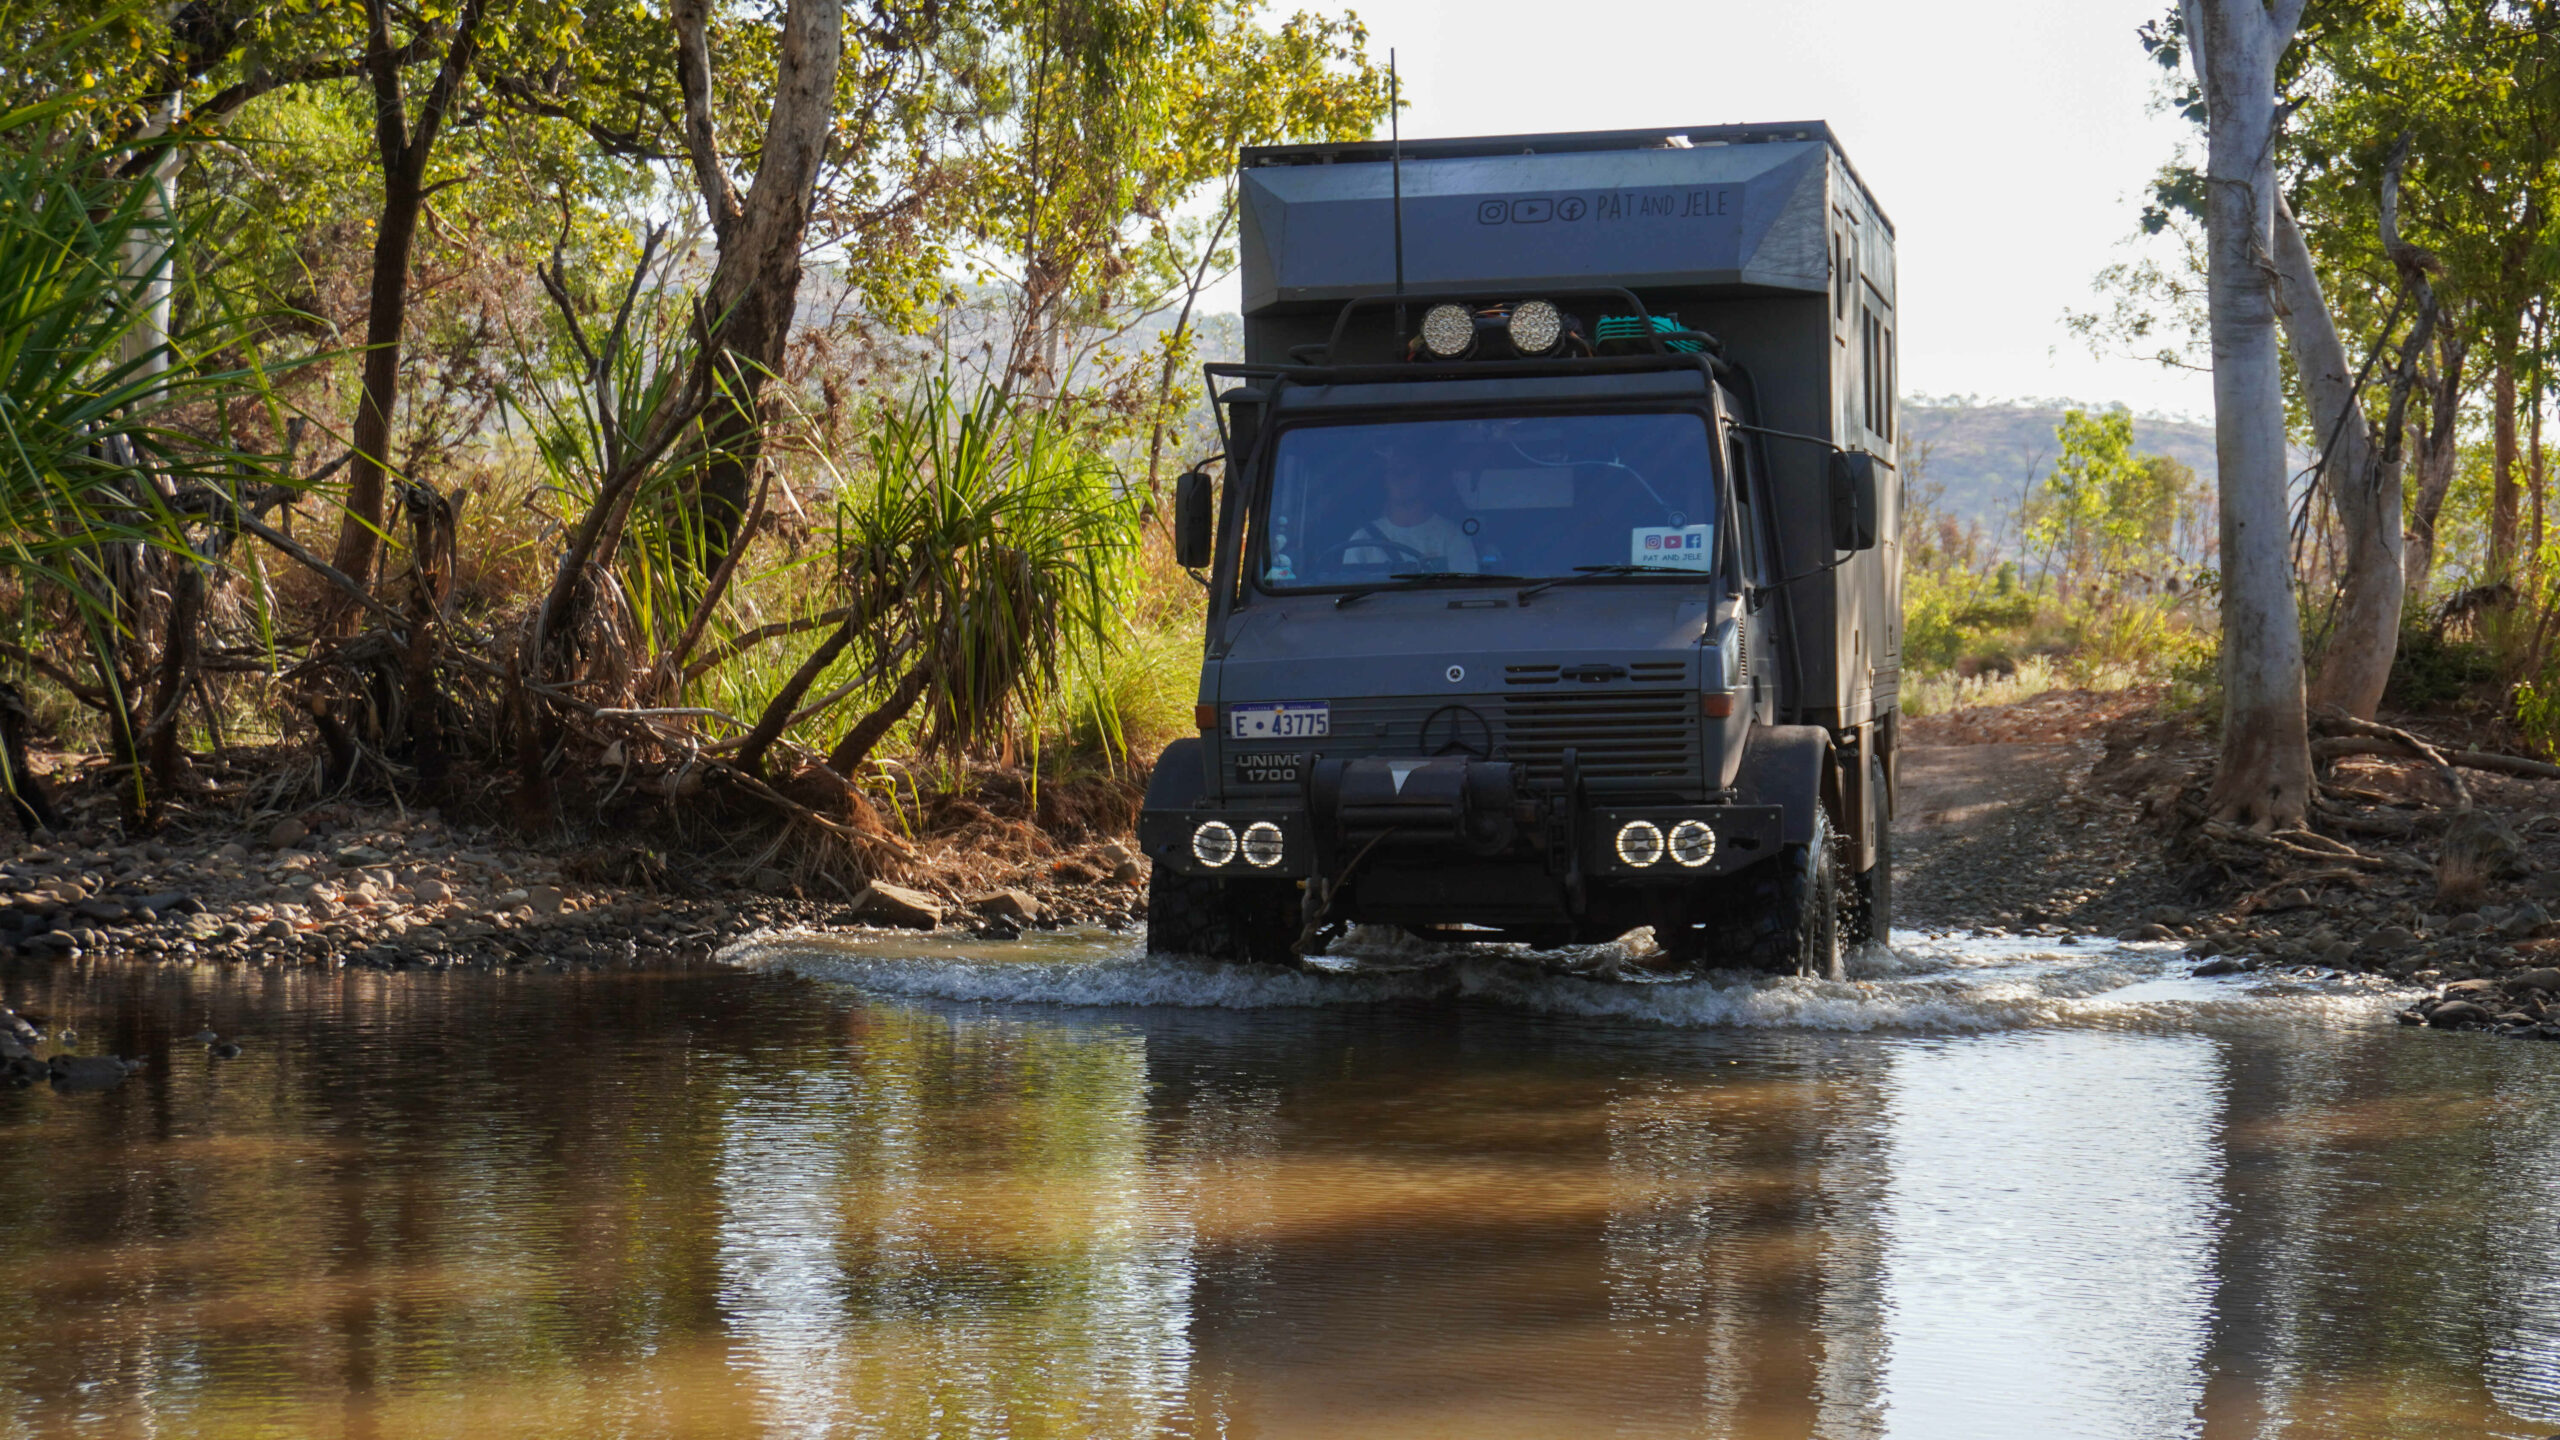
{"type": "Point", "coordinates": [1214, 843]}
{"type": "Point", "coordinates": [1693, 843]}
{"type": "Point", "coordinates": [1640, 843]}
{"type": "Point", "coordinates": [1536, 326]}
{"type": "Point", "coordinates": [1262, 845]}
{"type": "Point", "coordinates": [1448, 331]}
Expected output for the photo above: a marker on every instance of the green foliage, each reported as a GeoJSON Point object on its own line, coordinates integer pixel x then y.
{"type": "Point", "coordinates": [90, 456]}
{"type": "Point", "coordinates": [983, 546]}
{"type": "Point", "coordinates": [2432, 669]}
{"type": "Point", "coordinates": [2537, 707]}
{"type": "Point", "coordinates": [2103, 510]}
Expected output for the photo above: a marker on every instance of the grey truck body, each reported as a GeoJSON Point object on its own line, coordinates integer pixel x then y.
{"type": "Point", "coordinates": [1447, 696]}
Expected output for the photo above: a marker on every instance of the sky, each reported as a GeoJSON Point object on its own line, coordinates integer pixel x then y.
{"type": "Point", "coordinates": [2009, 140]}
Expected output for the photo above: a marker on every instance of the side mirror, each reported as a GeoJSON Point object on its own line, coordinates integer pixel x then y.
{"type": "Point", "coordinates": [1854, 501]}
{"type": "Point", "coordinates": [1195, 514]}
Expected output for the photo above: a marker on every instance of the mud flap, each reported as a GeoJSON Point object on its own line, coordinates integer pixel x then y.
{"type": "Point", "coordinates": [1788, 766]}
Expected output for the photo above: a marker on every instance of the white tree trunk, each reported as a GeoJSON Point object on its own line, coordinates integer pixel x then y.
{"type": "Point", "coordinates": [146, 253]}
{"type": "Point", "coordinates": [2265, 775]}
{"type": "Point", "coordinates": [2363, 488]}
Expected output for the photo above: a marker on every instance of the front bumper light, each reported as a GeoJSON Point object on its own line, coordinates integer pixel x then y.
{"type": "Point", "coordinates": [1639, 843]}
{"type": "Point", "coordinates": [1263, 845]}
{"type": "Point", "coordinates": [1214, 843]}
{"type": "Point", "coordinates": [1693, 843]}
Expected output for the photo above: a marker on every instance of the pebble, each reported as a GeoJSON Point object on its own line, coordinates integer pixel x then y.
{"type": "Point", "coordinates": [287, 833]}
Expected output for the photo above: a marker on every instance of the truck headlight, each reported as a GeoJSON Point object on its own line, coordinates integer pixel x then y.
{"type": "Point", "coordinates": [1639, 843]}
{"type": "Point", "coordinates": [1448, 331]}
{"type": "Point", "coordinates": [1214, 843]}
{"type": "Point", "coordinates": [1693, 843]}
{"type": "Point", "coordinates": [1536, 326]}
{"type": "Point", "coordinates": [1262, 845]}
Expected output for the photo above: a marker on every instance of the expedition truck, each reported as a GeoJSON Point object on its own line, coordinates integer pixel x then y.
{"type": "Point", "coordinates": [1553, 584]}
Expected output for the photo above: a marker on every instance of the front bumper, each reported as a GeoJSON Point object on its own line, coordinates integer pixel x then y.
{"type": "Point", "coordinates": [1561, 845]}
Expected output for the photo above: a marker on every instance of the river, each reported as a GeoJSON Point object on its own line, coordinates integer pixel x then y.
{"type": "Point", "coordinates": [1054, 1189]}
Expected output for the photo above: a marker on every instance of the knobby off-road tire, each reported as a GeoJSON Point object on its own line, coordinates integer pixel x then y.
{"type": "Point", "coordinates": [1790, 920]}
{"type": "Point", "coordinates": [1870, 896]}
{"type": "Point", "coordinates": [1254, 921]}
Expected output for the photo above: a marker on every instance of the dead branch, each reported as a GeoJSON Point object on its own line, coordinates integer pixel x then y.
{"type": "Point", "coordinates": [2303, 845]}
{"type": "Point", "coordinates": [2332, 718]}
{"type": "Point", "coordinates": [85, 693]}
{"type": "Point", "coordinates": [2483, 760]}
{"type": "Point", "coordinates": [742, 643]}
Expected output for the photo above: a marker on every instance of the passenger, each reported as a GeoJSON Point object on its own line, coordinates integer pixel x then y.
{"type": "Point", "coordinates": [1412, 521]}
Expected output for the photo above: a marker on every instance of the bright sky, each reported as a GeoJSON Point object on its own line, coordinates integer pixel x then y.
{"type": "Point", "coordinates": [2010, 140]}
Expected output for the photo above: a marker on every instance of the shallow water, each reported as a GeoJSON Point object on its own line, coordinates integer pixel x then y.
{"type": "Point", "coordinates": [1051, 1188]}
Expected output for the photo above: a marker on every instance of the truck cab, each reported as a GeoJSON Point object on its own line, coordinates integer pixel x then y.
{"type": "Point", "coordinates": [1552, 580]}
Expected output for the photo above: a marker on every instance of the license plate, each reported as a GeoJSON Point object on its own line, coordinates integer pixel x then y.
{"type": "Point", "coordinates": [1282, 720]}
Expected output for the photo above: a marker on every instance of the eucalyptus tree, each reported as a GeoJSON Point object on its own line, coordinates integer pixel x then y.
{"type": "Point", "coordinates": [1103, 120]}
{"type": "Point", "coordinates": [2456, 109]}
{"type": "Point", "coordinates": [2264, 776]}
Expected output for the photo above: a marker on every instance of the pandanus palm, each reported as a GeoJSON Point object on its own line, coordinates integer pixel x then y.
{"type": "Point", "coordinates": [97, 490]}
{"type": "Point", "coordinates": [979, 549]}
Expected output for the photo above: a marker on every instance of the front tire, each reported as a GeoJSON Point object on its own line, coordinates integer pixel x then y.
{"type": "Point", "coordinates": [1792, 916]}
{"type": "Point", "coordinates": [1252, 921]}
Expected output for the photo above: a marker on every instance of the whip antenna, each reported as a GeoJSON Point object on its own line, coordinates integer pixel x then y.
{"type": "Point", "coordinates": [1395, 167]}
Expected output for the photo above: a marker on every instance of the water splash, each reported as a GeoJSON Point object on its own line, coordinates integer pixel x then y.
{"type": "Point", "coordinates": [1930, 984]}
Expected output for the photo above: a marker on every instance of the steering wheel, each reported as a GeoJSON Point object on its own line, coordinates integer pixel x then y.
{"type": "Point", "coordinates": [1393, 550]}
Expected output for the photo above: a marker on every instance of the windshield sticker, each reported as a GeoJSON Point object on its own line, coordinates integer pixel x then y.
{"type": "Point", "coordinates": [1684, 546]}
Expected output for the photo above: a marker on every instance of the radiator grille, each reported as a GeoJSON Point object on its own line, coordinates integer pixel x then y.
{"type": "Point", "coordinates": [1618, 733]}
{"type": "Point", "coordinates": [1627, 736]}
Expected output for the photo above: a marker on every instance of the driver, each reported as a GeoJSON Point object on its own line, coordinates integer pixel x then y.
{"type": "Point", "coordinates": [1411, 521]}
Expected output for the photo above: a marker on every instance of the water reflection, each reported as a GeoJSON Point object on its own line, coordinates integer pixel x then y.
{"type": "Point", "coordinates": [2049, 1219]}
{"type": "Point", "coordinates": [719, 1203]}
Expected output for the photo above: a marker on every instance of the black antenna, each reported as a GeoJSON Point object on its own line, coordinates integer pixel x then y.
{"type": "Point", "coordinates": [1395, 165]}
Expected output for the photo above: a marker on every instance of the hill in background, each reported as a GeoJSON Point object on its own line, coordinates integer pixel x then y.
{"type": "Point", "coordinates": [1988, 454]}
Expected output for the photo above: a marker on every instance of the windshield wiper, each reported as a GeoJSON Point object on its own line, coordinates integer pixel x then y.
{"type": "Point", "coordinates": [1410, 579]}
{"type": "Point", "coordinates": [1582, 573]}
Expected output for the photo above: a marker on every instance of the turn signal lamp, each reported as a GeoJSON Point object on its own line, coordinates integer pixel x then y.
{"type": "Point", "coordinates": [1714, 707]}
{"type": "Point", "coordinates": [1204, 716]}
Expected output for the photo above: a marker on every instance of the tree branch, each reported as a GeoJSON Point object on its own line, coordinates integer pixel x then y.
{"type": "Point", "coordinates": [701, 136]}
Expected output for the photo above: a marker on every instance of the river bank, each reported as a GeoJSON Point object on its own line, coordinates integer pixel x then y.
{"type": "Point", "coordinates": [2070, 813]}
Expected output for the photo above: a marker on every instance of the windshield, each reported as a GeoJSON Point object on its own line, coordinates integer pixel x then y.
{"type": "Point", "coordinates": [1531, 497]}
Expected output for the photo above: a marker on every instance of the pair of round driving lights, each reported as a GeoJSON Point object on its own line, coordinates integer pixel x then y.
{"type": "Point", "coordinates": [1535, 327]}
{"type": "Point", "coordinates": [1216, 844]}
{"type": "Point", "coordinates": [1641, 844]}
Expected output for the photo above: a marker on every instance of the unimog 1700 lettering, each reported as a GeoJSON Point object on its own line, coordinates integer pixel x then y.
{"type": "Point", "coordinates": [1552, 569]}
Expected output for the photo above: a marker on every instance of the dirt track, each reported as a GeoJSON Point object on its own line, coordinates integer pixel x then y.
{"type": "Point", "coordinates": [2009, 833]}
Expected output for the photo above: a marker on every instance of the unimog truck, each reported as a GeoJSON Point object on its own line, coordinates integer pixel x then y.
{"type": "Point", "coordinates": [1552, 565]}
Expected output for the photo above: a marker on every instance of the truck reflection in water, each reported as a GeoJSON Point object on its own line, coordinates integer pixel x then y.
{"type": "Point", "coordinates": [1979, 1194]}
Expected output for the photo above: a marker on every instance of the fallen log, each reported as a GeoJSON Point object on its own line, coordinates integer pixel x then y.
{"type": "Point", "coordinates": [2331, 717]}
{"type": "Point", "coordinates": [2484, 760]}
